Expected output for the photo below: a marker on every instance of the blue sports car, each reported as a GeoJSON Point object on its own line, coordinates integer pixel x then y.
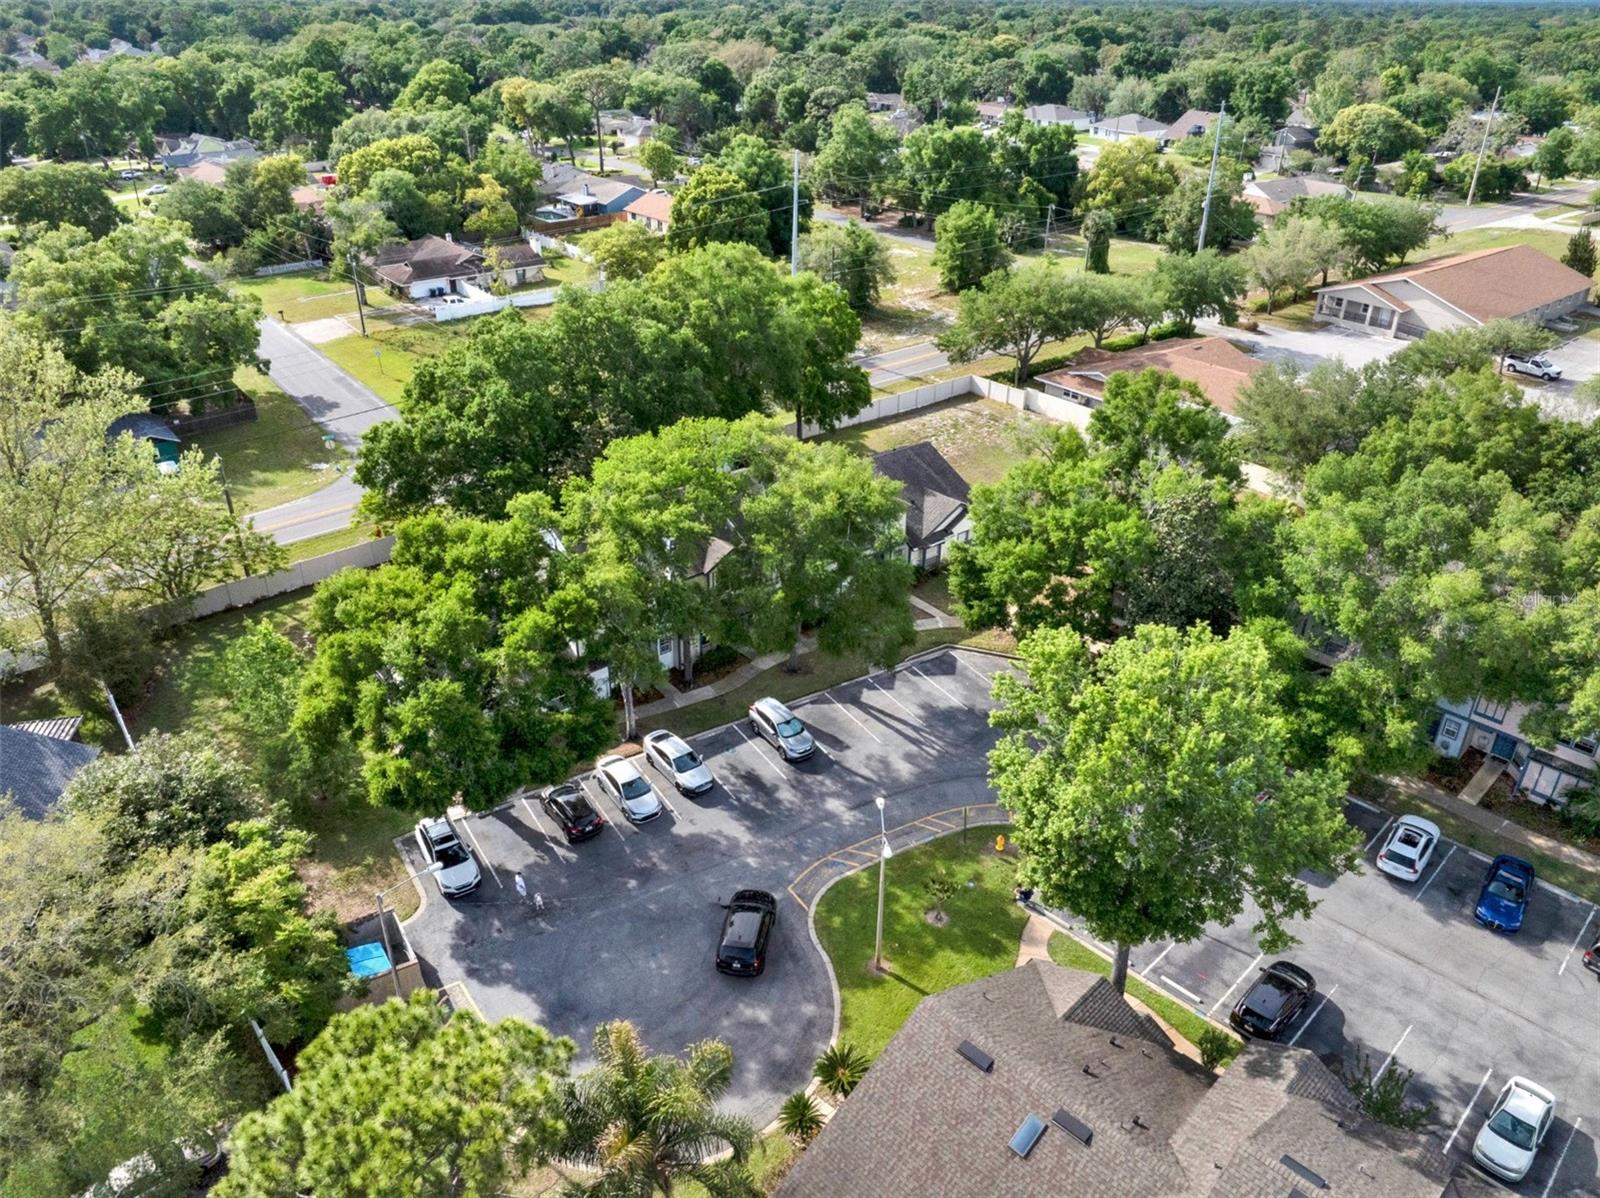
{"type": "Point", "coordinates": [1504, 898]}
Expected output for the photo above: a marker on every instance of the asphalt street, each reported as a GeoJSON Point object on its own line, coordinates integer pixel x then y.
{"type": "Point", "coordinates": [908, 363]}
{"type": "Point", "coordinates": [629, 920]}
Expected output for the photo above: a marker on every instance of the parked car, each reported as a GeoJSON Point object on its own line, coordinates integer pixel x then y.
{"type": "Point", "coordinates": [1537, 365]}
{"type": "Point", "coordinates": [781, 728]}
{"type": "Point", "coordinates": [742, 949]}
{"type": "Point", "coordinates": [1503, 901]}
{"type": "Point", "coordinates": [620, 778]}
{"type": "Point", "coordinates": [128, 172]}
{"type": "Point", "coordinates": [1518, 1124]}
{"type": "Point", "coordinates": [1276, 999]}
{"type": "Point", "coordinates": [458, 873]}
{"type": "Point", "coordinates": [571, 811]}
{"type": "Point", "coordinates": [1405, 854]}
{"type": "Point", "coordinates": [674, 758]}
{"type": "Point", "coordinates": [158, 189]}
{"type": "Point", "coordinates": [1591, 955]}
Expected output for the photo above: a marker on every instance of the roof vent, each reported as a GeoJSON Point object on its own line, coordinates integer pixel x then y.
{"type": "Point", "coordinates": [1089, 1071]}
{"type": "Point", "coordinates": [1027, 1136]}
{"type": "Point", "coordinates": [1073, 1126]}
{"type": "Point", "coordinates": [1305, 1174]}
{"type": "Point", "coordinates": [1115, 1043]}
{"type": "Point", "coordinates": [977, 1057]}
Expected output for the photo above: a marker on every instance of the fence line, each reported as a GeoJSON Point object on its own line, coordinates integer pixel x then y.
{"type": "Point", "coordinates": [286, 268]}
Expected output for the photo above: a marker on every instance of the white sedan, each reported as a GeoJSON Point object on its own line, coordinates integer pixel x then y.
{"type": "Point", "coordinates": [1411, 842]}
{"type": "Point", "coordinates": [1521, 1119]}
{"type": "Point", "coordinates": [628, 788]}
{"type": "Point", "coordinates": [673, 757]}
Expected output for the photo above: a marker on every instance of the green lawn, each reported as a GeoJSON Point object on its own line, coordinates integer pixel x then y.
{"type": "Point", "coordinates": [561, 270]}
{"type": "Point", "coordinates": [386, 360]}
{"type": "Point", "coordinates": [341, 538]}
{"type": "Point", "coordinates": [1554, 244]}
{"type": "Point", "coordinates": [270, 461]}
{"type": "Point", "coordinates": [1073, 953]}
{"type": "Point", "coordinates": [309, 296]}
{"type": "Point", "coordinates": [980, 939]}
{"type": "Point", "coordinates": [981, 438]}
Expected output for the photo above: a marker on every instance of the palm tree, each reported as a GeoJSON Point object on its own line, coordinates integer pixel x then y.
{"type": "Point", "coordinates": [800, 1118]}
{"type": "Point", "coordinates": [840, 1068]}
{"type": "Point", "coordinates": [646, 1123]}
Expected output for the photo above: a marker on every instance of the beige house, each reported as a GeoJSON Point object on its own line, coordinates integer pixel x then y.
{"type": "Point", "coordinates": [1211, 363]}
{"type": "Point", "coordinates": [653, 210]}
{"type": "Point", "coordinates": [1458, 291]}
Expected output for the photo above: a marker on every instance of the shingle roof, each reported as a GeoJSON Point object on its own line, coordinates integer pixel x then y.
{"type": "Point", "coordinates": [934, 494]}
{"type": "Point", "coordinates": [1184, 126]}
{"type": "Point", "coordinates": [35, 769]}
{"type": "Point", "coordinates": [145, 426]}
{"type": "Point", "coordinates": [926, 1122]}
{"type": "Point", "coordinates": [1272, 196]}
{"type": "Point", "coordinates": [1212, 363]}
{"type": "Point", "coordinates": [1057, 114]}
{"type": "Point", "coordinates": [427, 258]}
{"type": "Point", "coordinates": [1508, 281]}
{"type": "Point", "coordinates": [1132, 122]}
{"type": "Point", "coordinates": [652, 205]}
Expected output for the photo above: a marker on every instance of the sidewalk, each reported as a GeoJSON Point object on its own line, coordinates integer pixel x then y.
{"type": "Point", "coordinates": [1498, 825]}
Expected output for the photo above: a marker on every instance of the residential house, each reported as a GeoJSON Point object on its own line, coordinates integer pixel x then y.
{"type": "Point", "coordinates": [595, 196]}
{"type": "Point", "coordinates": [885, 101]}
{"type": "Point", "coordinates": [1298, 132]}
{"type": "Point", "coordinates": [191, 149]}
{"type": "Point", "coordinates": [1543, 774]}
{"type": "Point", "coordinates": [1211, 363]}
{"type": "Point", "coordinates": [117, 48]}
{"type": "Point", "coordinates": [28, 58]}
{"type": "Point", "coordinates": [1456, 291]}
{"type": "Point", "coordinates": [154, 431]}
{"type": "Point", "coordinates": [1121, 128]}
{"type": "Point", "coordinates": [209, 171]}
{"type": "Point", "coordinates": [1196, 122]}
{"type": "Point", "coordinates": [430, 267]}
{"type": "Point", "coordinates": [1058, 114]}
{"type": "Point", "coordinates": [935, 497]}
{"type": "Point", "coordinates": [629, 128]}
{"type": "Point", "coordinates": [653, 210]}
{"type": "Point", "coordinates": [1271, 196]}
{"type": "Point", "coordinates": [1044, 1082]}
{"type": "Point", "coordinates": [309, 197]}
{"type": "Point", "coordinates": [37, 761]}
{"type": "Point", "coordinates": [992, 112]}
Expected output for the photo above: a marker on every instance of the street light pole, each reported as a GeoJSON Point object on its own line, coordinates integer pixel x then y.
{"type": "Point", "coordinates": [383, 924]}
{"type": "Point", "coordinates": [884, 853]}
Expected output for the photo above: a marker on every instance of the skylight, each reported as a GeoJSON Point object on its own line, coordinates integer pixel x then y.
{"type": "Point", "coordinates": [1027, 1136]}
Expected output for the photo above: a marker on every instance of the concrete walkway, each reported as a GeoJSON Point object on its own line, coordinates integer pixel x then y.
{"type": "Point", "coordinates": [1498, 824]}
{"type": "Point", "coordinates": [1474, 790]}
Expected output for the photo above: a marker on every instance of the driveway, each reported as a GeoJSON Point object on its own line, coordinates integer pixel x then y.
{"type": "Point", "coordinates": [629, 920]}
{"type": "Point", "coordinates": [1305, 347]}
{"type": "Point", "coordinates": [1406, 977]}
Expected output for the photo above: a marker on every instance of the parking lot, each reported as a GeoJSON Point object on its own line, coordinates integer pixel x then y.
{"type": "Point", "coordinates": [1407, 977]}
{"type": "Point", "coordinates": [630, 919]}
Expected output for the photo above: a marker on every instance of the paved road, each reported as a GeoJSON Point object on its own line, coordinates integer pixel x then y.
{"type": "Point", "coordinates": [630, 919]}
{"type": "Point", "coordinates": [343, 407]}
{"type": "Point", "coordinates": [907, 363]}
{"type": "Point", "coordinates": [1458, 217]}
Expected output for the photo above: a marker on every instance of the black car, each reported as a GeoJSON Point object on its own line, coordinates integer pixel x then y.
{"type": "Point", "coordinates": [1591, 956]}
{"type": "Point", "coordinates": [572, 813]}
{"type": "Point", "coordinates": [1275, 1000]}
{"type": "Point", "coordinates": [742, 951]}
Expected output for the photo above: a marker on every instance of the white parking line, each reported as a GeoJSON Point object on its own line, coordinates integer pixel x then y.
{"type": "Point", "coordinates": [751, 742]}
{"type": "Point", "coordinates": [1439, 869]}
{"type": "Point", "coordinates": [1461, 1122]}
{"type": "Point", "coordinates": [936, 686]}
{"type": "Point", "coordinates": [1389, 1060]}
{"type": "Point", "coordinates": [859, 722]}
{"type": "Point", "coordinates": [534, 820]}
{"type": "Point", "coordinates": [989, 678]}
{"type": "Point", "coordinates": [482, 856]}
{"type": "Point", "coordinates": [1556, 1172]}
{"type": "Point", "coordinates": [892, 699]}
{"type": "Point", "coordinates": [1378, 833]}
{"type": "Point", "coordinates": [1146, 970]}
{"type": "Point", "coordinates": [598, 794]}
{"type": "Point", "coordinates": [1189, 994]}
{"type": "Point", "coordinates": [1312, 1018]}
{"type": "Point", "coordinates": [1568, 958]}
{"type": "Point", "coordinates": [1236, 982]}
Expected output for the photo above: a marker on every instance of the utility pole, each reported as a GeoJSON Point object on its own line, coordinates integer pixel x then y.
{"type": "Point", "coordinates": [1049, 226]}
{"type": "Point", "coordinates": [360, 311]}
{"type": "Point", "coordinates": [238, 530]}
{"type": "Point", "coordinates": [1211, 182]}
{"type": "Point", "coordinates": [1483, 145]}
{"type": "Point", "coordinates": [794, 218]}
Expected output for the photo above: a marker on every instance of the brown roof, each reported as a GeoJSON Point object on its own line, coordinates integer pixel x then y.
{"type": "Point", "coordinates": [212, 173]}
{"type": "Point", "coordinates": [428, 258]}
{"type": "Point", "coordinates": [652, 205]}
{"type": "Point", "coordinates": [926, 1122]}
{"type": "Point", "coordinates": [1212, 363]}
{"type": "Point", "coordinates": [1184, 126]}
{"type": "Point", "coordinates": [934, 494]}
{"type": "Point", "coordinates": [1509, 281]}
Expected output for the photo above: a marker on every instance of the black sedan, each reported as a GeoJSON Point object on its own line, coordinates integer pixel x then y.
{"type": "Point", "coordinates": [566, 805]}
{"type": "Point", "coordinates": [742, 950]}
{"type": "Point", "coordinates": [1276, 999]}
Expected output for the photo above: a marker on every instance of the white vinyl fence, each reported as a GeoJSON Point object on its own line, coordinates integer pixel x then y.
{"type": "Point", "coordinates": [945, 390]}
{"type": "Point", "coordinates": [286, 268]}
{"type": "Point", "coordinates": [546, 241]}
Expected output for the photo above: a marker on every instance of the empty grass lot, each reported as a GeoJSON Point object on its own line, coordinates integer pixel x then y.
{"type": "Point", "coordinates": [980, 939]}
{"type": "Point", "coordinates": [1065, 950]}
{"type": "Point", "coordinates": [386, 360]}
{"type": "Point", "coordinates": [309, 296]}
{"type": "Point", "coordinates": [981, 438]}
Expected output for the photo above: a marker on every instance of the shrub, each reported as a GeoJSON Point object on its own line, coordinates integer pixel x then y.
{"type": "Point", "coordinates": [800, 1118]}
{"type": "Point", "coordinates": [1215, 1047]}
{"type": "Point", "coordinates": [840, 1069]}
{"type": "Point", "coordinates": [1384, 1098]}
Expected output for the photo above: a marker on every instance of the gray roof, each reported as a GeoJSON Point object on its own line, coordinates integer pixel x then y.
{"type": "Point", "coordinates": [1054, 114]}
{"type": "Point", "coordinates": [934, 494]}
{"type": "Point", "coordinates": [1132, 122]}
{"type": "Point", "coordinates": [1293, 186]}
{"type": "Point", "coordinates": [35, 769]}
{"type": "Point", "coordinates": [145, 426]}
{"type": "Point", "coordinates": [926, 1122]}
{"type": "Point", "coordinates": [428, 257]}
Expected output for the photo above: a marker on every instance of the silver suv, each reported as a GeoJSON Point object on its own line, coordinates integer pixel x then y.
{"type": "Point", "coordinates": [781, 728]}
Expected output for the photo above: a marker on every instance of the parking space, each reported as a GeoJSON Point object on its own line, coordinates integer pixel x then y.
{"type": "Point", "coordinates": [624, 925]}
{"type": "Point", "coordinates": [1407, 979]}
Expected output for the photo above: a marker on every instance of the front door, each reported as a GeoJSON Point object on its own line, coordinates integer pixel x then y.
{"type": "Point", "coordinates": [1504, 746]}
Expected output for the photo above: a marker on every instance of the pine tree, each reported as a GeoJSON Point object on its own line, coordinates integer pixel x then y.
{"type": "Point", "coordinates": [1580, 253]}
